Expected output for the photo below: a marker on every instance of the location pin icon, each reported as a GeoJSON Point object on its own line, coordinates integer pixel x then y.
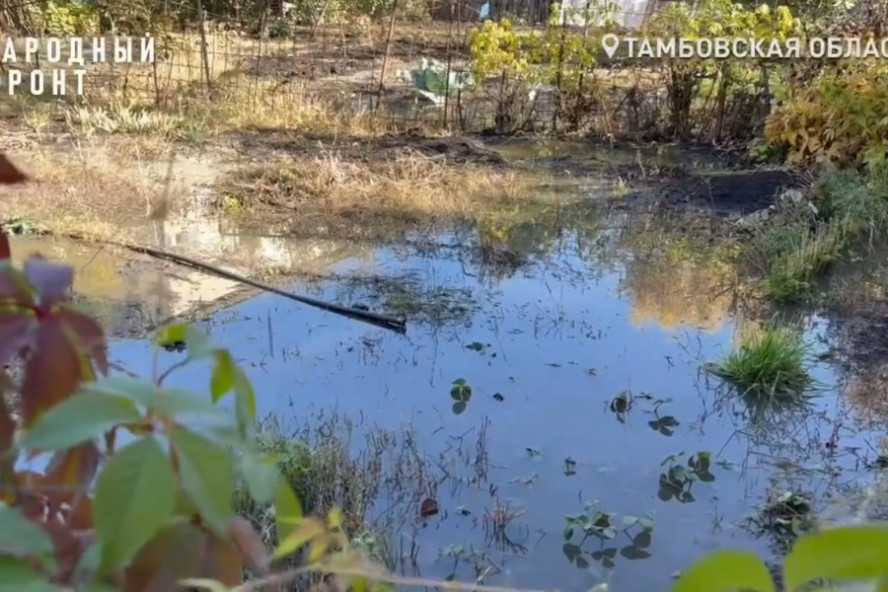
{"type": "Point", "coordinates": [610, 43]}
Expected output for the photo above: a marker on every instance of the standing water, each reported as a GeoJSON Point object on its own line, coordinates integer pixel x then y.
{"type": "Point", "coordinates": [559, 377]}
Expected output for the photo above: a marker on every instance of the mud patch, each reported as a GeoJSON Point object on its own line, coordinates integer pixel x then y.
{"type": "Point", "coordinates": [729, 193]}
{"type": "Point", "coordinates": [455, 150]}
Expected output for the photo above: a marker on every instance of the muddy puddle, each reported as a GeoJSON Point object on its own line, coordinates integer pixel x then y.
{"type": "Point", "coordinates": [571, 383]}
{"type": "Point", "coordinates": [550, 370]}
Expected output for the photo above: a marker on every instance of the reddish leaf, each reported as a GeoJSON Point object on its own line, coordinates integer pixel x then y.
{"type": "Point", "coordinates": [69, 546]}
{"type": "Point", "coordinates": [15, 333]}
{"type": "Point", "coordinates": [5, 250]}
{"type": "Point", "coordinates": [429, 507]}
{"type": "Point", "coordinates": [168, 558]}
{"type": "Point", "coordinates": [248, 544]}
{"type": "Point", "coordinates": [52, 372]}
{"type": "Point", "coordinates": [90, 336]}
{"type": "Point", "coordinates": [69, 474]}
{"type": "Point", "coordinates": [220, 561]}
{"type": "Point", "coordinates": [31, 480]}
{"type": "Point", "coordinates": [34, 507]}
{"type": "Point", "coordinates": [180, 551]}
{"type": "Point", "coordinates": [52, 281]}
{"type": "Point", "coordinates": [9, 174]}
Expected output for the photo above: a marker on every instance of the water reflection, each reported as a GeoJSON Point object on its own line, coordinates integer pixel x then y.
{"type": "Point", "coordinates": [545, 352]}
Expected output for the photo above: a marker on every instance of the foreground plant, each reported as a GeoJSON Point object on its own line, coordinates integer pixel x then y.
{"type": "Point", "coordinates": [138, 489]}
{"type": "Point", "coordinates": [849, 558]}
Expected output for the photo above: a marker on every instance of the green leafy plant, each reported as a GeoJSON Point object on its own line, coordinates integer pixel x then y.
{"type": "Point", "coordinates": [139, 488]}
{"type": "Point", "coordinates": [857, 554]}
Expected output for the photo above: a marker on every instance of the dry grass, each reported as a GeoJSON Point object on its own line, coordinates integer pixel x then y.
{"type": "Point", "coordinates": [406, 187]}
{"type": "Point", "coordinates": [86, 190]}
{"type": "Point", "coordinates": [171, 100]}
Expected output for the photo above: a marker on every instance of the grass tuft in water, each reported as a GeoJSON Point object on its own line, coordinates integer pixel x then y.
{"type": "Point", "coordinates": [767, 366]}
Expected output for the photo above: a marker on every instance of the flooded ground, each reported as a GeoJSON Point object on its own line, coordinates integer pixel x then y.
{"type": "Point", "coordinates": [558, 376]}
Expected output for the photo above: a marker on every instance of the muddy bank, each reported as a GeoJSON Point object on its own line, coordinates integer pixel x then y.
{"type": "Point", "coordinates": [456, 150]}
{"type": "Point", "coordinates": [680, 177]}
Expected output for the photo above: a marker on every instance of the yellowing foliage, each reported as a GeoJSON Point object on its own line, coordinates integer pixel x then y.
{"type": "Point", "coordinates": [842, 117]}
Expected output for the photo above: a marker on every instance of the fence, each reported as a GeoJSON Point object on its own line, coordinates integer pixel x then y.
{"type": "Point", "coordinates": [351, 57]}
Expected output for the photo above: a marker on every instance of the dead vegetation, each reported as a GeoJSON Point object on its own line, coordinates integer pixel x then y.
{"type": "Point", "coordinates": [331, 187]}
{"type": "Point", "coordinates": [86, 190]}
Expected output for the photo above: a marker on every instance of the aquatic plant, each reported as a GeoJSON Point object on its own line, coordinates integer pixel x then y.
{"type": "Point", "coordinates": [766, 365]}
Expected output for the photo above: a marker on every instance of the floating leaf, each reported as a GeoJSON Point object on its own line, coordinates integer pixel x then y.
{"type": "Point", "coordinates": [428, 507]}
{"type": "Point", "coordinates": [207, 474]}
{"type": "Point", "coordinates": [722, 571]}
{"type": "Point", "coordinates": [460, 391]}
{"type": "Point", "coordinates": [79, 418]}
{"type": "Point", "coordinates": [846, 553]}
{"type": "Point", "coordinates": [135, 496]}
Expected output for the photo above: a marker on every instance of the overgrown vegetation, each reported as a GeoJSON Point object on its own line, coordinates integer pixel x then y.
{"type": "Point", "coordinates": [845, 210]}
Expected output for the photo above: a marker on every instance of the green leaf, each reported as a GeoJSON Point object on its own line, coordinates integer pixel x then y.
{"type": "Point", "coordinates": [171, 334]}
{"type": "Point", "coordinates": [207, 475]}
{"type": "Point", "coordinates": [224, 375]}
{"type": "Point", "coordinates": [287, 509]}
{"type": "Point", "coordinates": [18, 532]}
{"type": "Point", "coordinates": [846, 553]}
{"type": "Point", "coordinates": [135, 495]}
{"type": "Point", "coordinates": [245, 401]}
{"type": "Point", "coordinates": [261, 475]}
{"type": "Point", "coordinates": [179, 402]}
{"type": "Point", "coordinates": [16, 576]}
{"type": "Point", "coordinates": [568, 533]}
{"type": "Point", "coordinates": [196, 341]}
{"type": "Point", "coordinates": [79, 418]}
{"type": "Point", "coordinates": [140, 390]}
{"type": "Point", "coordinates": [722, 571]}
